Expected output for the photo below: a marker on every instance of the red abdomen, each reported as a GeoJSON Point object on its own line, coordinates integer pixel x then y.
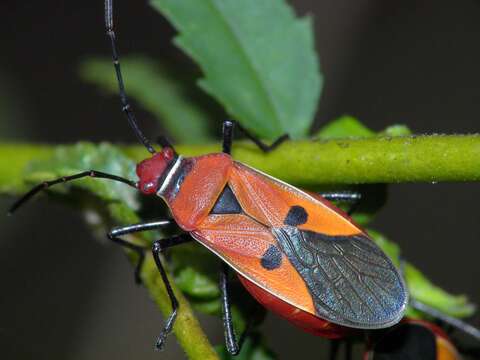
{"type": "Point", "coordinates": [299, 318]}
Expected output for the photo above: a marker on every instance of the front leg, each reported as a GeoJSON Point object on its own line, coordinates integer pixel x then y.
{"type": "Point", "coordinates": [115, 234]}
{"type": "Point", "coordinates": [157, 248]}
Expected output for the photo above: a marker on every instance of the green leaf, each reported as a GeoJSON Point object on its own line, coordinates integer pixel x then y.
{"type": "Point", "coordinates": [163, 90]}
{"type": "Point", "coordinates": [343, 127]}
{"type": "Point", "coordinates": [209, 307]}
{"type": "Point", "coordinates": [426, 292]}
{"type": "Point", "coordinates": [196, 271]}
{"type": "Point", "coordinates": [348, 126]}
{"type": "Point", "coordinates": [67, 160]}
{"type": "Point", "coordinates": [195, 283]}
{"type": "Point", "coordinates": [421, 288]}
{"type": "Point", "coordinates": [396, 130]}
{"type": "Point", "coordinates": [257, 57]}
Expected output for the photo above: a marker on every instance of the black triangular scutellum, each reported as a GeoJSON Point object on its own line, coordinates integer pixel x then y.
{"type": "Point", "coordinates": [226, 203]}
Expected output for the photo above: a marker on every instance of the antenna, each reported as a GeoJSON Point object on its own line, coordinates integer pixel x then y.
{"type": "Point", "coordinates": [126, 108]}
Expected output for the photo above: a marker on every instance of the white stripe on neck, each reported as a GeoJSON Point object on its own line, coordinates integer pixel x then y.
{"type": "Point", "coordinates": [169, 176]}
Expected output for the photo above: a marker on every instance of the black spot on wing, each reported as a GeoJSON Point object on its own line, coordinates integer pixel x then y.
{"type": "Point", "coordinates": [406, 341]}
{"type": "Point", "coordinates": [352, 282]}
{"type": "Point", "coordinates": [272, 259]}
{"type": "Point", "coordinates": [297, 215]}
{"type": "Point", "coordinates": [226, 203]}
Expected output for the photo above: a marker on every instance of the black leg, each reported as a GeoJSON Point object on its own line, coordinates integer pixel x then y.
{"type": "Point", "coordinates": [334, 346]}
{"type": "Point", "coordinates": [348, 349]}
{"type": "Point", "coordinates": [157, 248]}
{"type": "Point", "coordinates": [227, 131]}
{"type": "Point", "coordinates": [115, 234]}
{"type": "Point", "coordinates": [264, 147]}
{"type": "Point", "coordinates": [164, 142]}
{"type": "Point", "coordinates": [228, 126]}
{"type": "Point", "coordinates": [352, 197]}
{"type": "Point", "coordinates": [233, 346]}
{"type": "Point", "coordinates": [126, 107]}
{"type": "Point", "coordinates": [64, 179]}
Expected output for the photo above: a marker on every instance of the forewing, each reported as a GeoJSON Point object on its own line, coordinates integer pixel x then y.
{"type": "Point", "coordinates": [349, 279]}
{"type": "Point", "coordinates": [276, 204]}
{"type": "Point", "coordinates": [252, 250]}
{"type": "Point", "coordinates": [352, 282]}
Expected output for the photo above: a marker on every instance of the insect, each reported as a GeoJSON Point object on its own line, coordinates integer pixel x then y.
{"type": "Point", "coordinates": [296, 253]}
{"type": "Point", "coordinates": [413, 339]}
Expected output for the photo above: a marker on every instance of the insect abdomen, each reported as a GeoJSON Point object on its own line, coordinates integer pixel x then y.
{"type": "Point", "coordinates": [296, 316]}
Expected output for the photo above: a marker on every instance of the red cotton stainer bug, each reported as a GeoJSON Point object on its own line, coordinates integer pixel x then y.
{"type": "Point", "coordinates": [296, 253]}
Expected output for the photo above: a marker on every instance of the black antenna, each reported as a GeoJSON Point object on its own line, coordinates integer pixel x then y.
{"type": "Point", "coordinates": [126, 108]}
{"type": "Point", "coordinates": [64, 179]}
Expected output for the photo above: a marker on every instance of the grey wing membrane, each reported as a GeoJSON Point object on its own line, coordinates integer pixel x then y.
{"type": "Point", "coordinates": [351, 280]}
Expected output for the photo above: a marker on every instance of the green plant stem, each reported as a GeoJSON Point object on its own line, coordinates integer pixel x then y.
{"type": "Point", "coordinates": [431, 158]}
{"type": "Point", "coordinates": [187, 329]}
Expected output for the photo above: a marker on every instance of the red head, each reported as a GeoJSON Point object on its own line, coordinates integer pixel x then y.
{"type": "Point", "coordinates": [150, 170]}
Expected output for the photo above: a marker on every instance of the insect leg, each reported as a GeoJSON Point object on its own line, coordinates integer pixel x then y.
{"type": "Point", "coordinates": [264, 147]}
{"type": "Point", "coordinates": [333, 352]}
{"type": "Point", "coordinates": [64, 179]}
{"type": "Point", "coordinates": [157, 247]}
{"type": "Point", "coordinates": [335, 347]}
{"type": "Point", "coordinates": [115, 234]}
{"type": "Point", "coordinates": [348, 349]}
{"type": "Point", "coordinates": [231, 343]}
{"type": "Point", "coordinates": [228, 135]}
{"type": "Point", "coordinates": [227, 131]}
{"type": "Point", "coordinates": [352, 197]}
{"type": "Point", "coordinates": [126, 107]}
{"type": "Point", "coordinates": [163, 141]}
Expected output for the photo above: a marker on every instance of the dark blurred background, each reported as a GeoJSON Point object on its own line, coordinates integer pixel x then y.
{"type": "Point", "coordinates": [65, 295]}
